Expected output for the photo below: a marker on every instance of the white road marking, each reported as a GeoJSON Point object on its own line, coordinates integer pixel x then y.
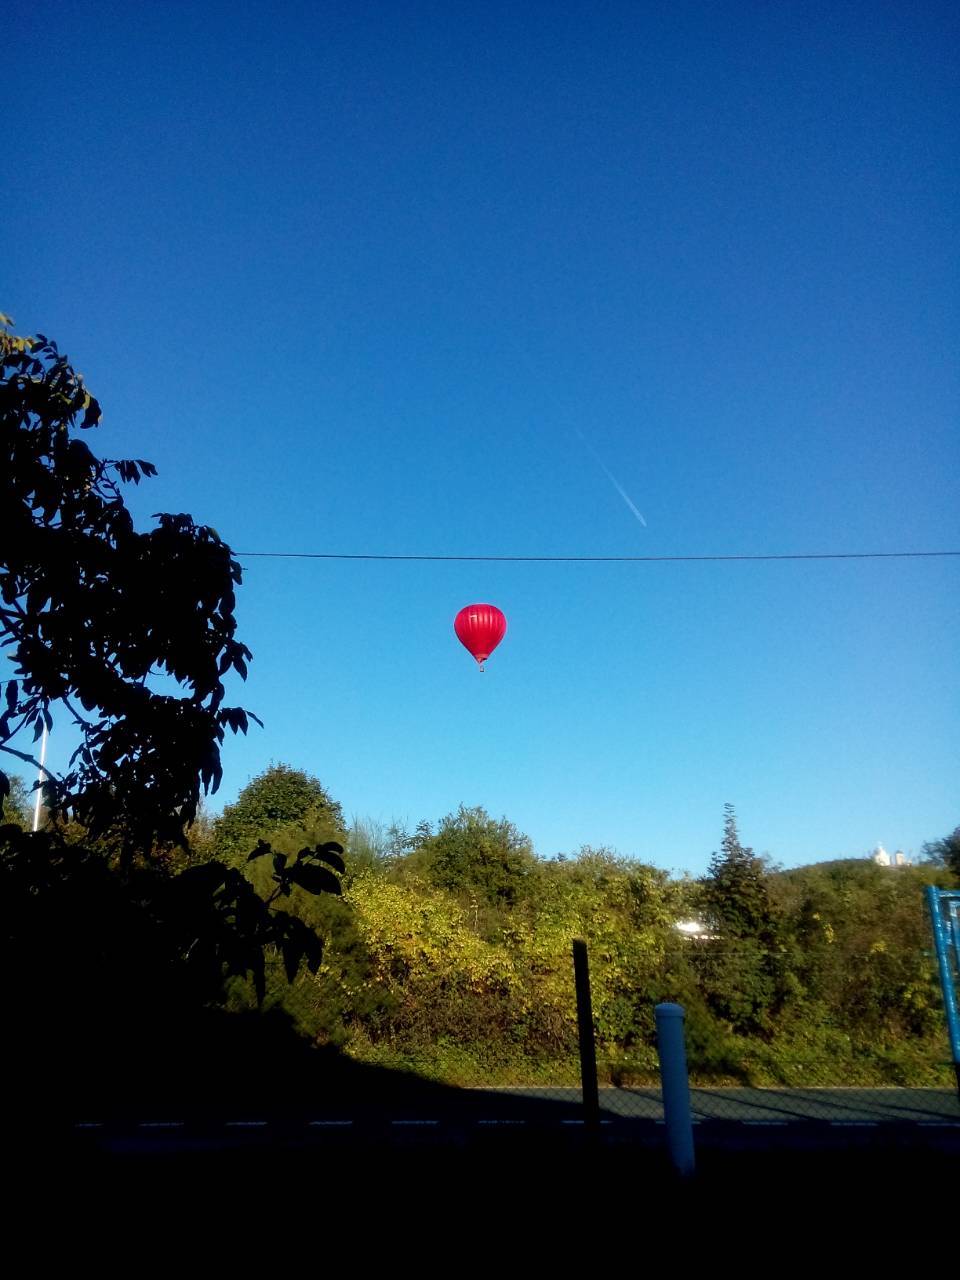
{"type": "Point", "coordinates": [246, 1124]}
{"type": "Point", "coordinates": [412, 1122]}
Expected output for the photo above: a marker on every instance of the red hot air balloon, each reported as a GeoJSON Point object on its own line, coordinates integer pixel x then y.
{"type": "Point", "coordinates": [480, 628]}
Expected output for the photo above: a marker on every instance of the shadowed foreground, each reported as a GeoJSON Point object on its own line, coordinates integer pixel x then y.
{"type": "Point", "coordinates": [234, 1102]}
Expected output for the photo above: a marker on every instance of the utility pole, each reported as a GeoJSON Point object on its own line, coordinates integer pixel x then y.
{"type": "Point", "coordinates": [40, 777]}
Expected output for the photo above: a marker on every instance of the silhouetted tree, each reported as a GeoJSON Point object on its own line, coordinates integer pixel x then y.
{"type": "Point", "coordinates": [92, 612]}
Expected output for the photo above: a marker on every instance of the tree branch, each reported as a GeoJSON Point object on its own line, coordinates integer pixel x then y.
{"type": "Point", "coordinates": [23, 720]}
{"type": "Point", "coordinates": [22, 755]}
{"type": "Point", "coordinates": [19, 613]}
{"type": "Point", "coordinates": [77, 717]}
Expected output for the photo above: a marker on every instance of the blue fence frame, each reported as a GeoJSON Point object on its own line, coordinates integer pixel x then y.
{"type": "Point", "coordinates": [944, 907]}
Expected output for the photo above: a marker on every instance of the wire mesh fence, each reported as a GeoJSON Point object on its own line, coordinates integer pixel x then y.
{"type": "Point", "coordinates": [531, 1071]}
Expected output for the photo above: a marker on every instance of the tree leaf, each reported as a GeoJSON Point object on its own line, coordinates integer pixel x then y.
{"type": "Point", "coordinates": [261, 849]}
{"type": "Point", "coordinates": [314, 879]}
{"type": "Point", "coordinates": [330, 853]}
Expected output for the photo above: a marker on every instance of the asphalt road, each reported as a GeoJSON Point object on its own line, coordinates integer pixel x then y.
{"type": "Point", "coordinates": [837, 1106]}
{"type": "Point", "coordinates": [844, 1106]}
{"type": "Point", "coordinates": [435, 1113]}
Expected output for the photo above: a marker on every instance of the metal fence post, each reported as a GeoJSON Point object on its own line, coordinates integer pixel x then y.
{"type": "Point", "coordinates": [941, 939]}
{"type": "Point", "coordinates": [585, 1034]}
{"type": "Point", "coordinates": [675, 1084]}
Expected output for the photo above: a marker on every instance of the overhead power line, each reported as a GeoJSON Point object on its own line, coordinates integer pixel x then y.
{"type": "Point", "coordinates": [797, 555]}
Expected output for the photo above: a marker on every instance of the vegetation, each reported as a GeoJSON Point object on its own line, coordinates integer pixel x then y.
{"type": "Point", "coordinates": [16, 806]}
{"type": "Point", "coordinates": [116, 931]}
{"type": "Point", "coordinates": [945, 852]}
{"type": "Point", "coordinates": [453, 958]}
{"type": "Point", "coordinates": [279, 798]}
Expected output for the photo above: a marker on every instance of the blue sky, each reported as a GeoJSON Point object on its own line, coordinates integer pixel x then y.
{"type": "Point", "coordinates": [391, 277]}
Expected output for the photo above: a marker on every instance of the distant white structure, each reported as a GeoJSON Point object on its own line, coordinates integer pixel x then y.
{"type": "Point", "coordinates": [694, 929]}
{"type": "Point", "coordinates": [884, 859]}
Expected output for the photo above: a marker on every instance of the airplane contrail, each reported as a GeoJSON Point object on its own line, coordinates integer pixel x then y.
{"type": "Point", "coordinates": [612, 478]}
{"type": "Point", "coordinates": [564, 414]}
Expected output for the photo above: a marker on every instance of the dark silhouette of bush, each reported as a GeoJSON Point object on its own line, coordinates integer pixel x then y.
{"type": "Point", "coordinates": [115, 956]}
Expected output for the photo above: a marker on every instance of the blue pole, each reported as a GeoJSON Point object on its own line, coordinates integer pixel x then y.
{"type": "Point", "coordinates": [941, 939]}
{"type": "Point", "coordinates": [675, 1084]}
{"type": "Point", "coordinates": [954, 907]}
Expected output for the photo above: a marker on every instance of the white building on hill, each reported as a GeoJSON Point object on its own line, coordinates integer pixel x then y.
{"type": "Point", "coordinates": [884, 859]}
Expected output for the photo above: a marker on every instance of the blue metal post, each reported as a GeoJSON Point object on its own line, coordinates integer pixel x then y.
{"type": "Point", "coordinates": [941, 939]}
{"type": "Point", "coordinates": [675, 1084]}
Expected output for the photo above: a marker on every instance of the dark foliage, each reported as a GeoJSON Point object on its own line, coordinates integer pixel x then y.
{"type": "Point", "coordinates": [91, 610]}
{"type": "Point", "coordinates": [131, 634]}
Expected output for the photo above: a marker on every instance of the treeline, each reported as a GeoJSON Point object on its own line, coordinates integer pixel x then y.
{"type": "Point", "coordinates": [449, 952]}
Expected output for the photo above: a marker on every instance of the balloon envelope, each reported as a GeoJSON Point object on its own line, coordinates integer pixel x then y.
{"type": "Point", "coordinates": [480, 628]}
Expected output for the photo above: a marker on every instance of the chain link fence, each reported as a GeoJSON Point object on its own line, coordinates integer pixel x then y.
{"type": "Point", "coordinates": [529, 1072]}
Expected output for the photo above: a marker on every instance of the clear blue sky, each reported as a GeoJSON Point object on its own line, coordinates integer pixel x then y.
{"type": "Point", "coordinates": [368, 277]}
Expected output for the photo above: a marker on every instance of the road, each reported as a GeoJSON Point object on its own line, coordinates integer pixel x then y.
{"type": "Point", "coordinates": [723, 1115]}
{"type": "Point", "coordinates": [933, 1107]}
